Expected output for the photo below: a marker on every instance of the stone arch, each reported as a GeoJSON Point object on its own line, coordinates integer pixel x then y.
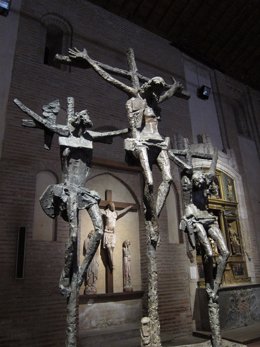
{"type": "Point", "coordinates": [58, 38]}
{"type": "Point", "coordinates": [44, 228]}
{"type": "Point", "coordinates": [127, 228]}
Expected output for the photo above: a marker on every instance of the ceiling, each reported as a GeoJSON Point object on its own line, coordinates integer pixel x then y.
{"type": "Point", "coordinates": [224, 34]}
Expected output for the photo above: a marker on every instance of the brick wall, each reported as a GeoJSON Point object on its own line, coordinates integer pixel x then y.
{"type": "Point", "coordinates": [32, 310]}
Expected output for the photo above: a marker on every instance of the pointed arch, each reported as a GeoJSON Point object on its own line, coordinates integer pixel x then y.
{"type": "Point", "coordinates": [127, 228]}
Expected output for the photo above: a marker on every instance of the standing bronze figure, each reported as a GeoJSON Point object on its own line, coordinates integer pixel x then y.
{"type": "Point", "coordinates": [67, 198]}
{"type": "Point", "coordinates": [146, 146]}
{"type": "Point", "coordinates": [200, 225]}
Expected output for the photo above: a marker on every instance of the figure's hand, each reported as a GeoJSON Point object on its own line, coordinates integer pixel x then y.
{"type": "Point", "coordinates": [75, 53]}
{"type": "Point", "coordinates": [178, 86]}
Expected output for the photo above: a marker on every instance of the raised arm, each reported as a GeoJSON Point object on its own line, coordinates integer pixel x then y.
{"type": "Point", "coordinates": [75, 54]}
{"type": "Point", "coordinates": [175, 88]}
{"type": "Point", "coordinates": [97, 135]}
{"type": "Point", "coordinates": [39, 122]}
{"type": "Point", "coordinates": [123, 212]}
{"type": "Point", "coordinates": [173, 155]}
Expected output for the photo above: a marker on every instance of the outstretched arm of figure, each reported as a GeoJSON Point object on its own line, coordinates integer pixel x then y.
{"type": "Point", "coordinates": [98, 135]}
{"type": "Point", "coordinates": [182, 164]}
{"type": "Point", "coordinates": [123, 212]}
{"type": "Point", "coordinates": [75, 53]}
{"type": "Point", "coordinates": [39, 122]}
{"type": "Point", "coordinates": [174, 88]}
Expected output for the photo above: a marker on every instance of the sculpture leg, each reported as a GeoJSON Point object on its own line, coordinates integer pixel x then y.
{"type": "Point", "coordinates": [70, 271]}
{"type": "Point", "coordinates": [110, 257]}
{"type": "Point", "coordinates": [144, 162]}
{"type": "Point", "coordinates": [149, 203]}
{"type": "Point", "coordinates": [163, 190]}
{"type": "Point", "coordinates": [213, 307]}
{"type": "Point", "coordinates": [152, 231]}
{"type": "Point", "coordinates": [207, 254]}
{"type": "Point", "coordinates": [71, 245]}
{"type": "Point", "coordinates": [216, 234]}
{"type": "Point", "coordinates": [95, 215]}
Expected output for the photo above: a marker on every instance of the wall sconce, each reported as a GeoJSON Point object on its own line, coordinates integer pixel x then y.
{"type": "Point", "coordinates": [204, 92]}
{"type": "Point", "coordinates": [5, 7]}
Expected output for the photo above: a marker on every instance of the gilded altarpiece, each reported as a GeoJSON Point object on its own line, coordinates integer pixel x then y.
{"type": "Point", "coordinates": [224, 205]}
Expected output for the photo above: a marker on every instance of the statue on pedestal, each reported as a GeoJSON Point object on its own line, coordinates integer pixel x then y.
{"type": "Point", "coordinates": [201, 225]}
{"type": "Point", "coordinates": [127, 283]}
{"type": "Point", "coordinates": [67, 198]}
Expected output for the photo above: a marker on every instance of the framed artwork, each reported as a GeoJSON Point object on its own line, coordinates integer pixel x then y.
{"type": "Point", "coordinates": [239, 271]}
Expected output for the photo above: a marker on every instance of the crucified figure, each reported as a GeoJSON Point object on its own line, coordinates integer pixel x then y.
{"type": "Point", "coordinates": [199, 223]}
{"type": "Point", "coordinates": [145, 144]}
{"type": "Point", "coordinates": [110, 216]}
{"type": "Point", "coordinates": [67, 198]}
{"type": "Point", "coordinates": [197, 220]}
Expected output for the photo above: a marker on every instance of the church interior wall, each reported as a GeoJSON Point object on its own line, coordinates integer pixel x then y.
{"type": "Point", "coordinates": [32, 310]}
{"type": "Point", "coordinates": [8, 35]}
{"type": "Point", "coordinates": [203, 113]}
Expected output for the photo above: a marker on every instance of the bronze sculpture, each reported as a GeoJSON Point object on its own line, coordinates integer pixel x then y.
{"type": "Point", "coordinates": [202, 225]}
{"type": "Point", "coordinates": [127, 283]}
{"type": "Point", "coordinates": [110, 216]}
{"type": "Point", "coordinates": [67, 198]}
{"type": "Point", "coordinates": [147, 146]}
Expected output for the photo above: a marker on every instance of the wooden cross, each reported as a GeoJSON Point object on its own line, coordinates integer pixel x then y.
{"type": "Point", "coordinates": [118, 206]}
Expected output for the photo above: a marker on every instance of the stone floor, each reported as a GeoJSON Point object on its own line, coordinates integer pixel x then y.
{"type": "Point", "coordinates": [128, 336]}
{"type": "Point", "coordinates": [244, 335]}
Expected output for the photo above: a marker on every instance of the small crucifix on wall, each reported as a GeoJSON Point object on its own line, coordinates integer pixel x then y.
{"type": "Point", "coordinates": [111, 213]}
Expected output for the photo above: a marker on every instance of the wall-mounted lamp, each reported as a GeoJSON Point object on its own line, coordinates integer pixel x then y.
{"type": "Point", "coordinates": [204, 92]}
{"type": "Point", "coordinates": [5, 7]}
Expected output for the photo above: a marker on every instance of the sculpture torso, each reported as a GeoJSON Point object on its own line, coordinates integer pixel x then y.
{"type": "Point", "coordinates": [110, 220]}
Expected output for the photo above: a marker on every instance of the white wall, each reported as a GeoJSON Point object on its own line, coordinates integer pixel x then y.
{"type": "Point", "coordinates": [204, 118]}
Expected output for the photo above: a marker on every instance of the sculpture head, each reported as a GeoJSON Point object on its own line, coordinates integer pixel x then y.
{"type": "Point", "coordinates": [126, 243]}
{"type": "Point", "coordinates": [155, 85]}
{"type": "Point", "coordinates": [149, 112]}
{"type": "Point", "coordinates": [198, 179]}
{"type": "Point", "coordinates": [111, 206]}
{"type": "Point", "coordinates": [81, 121]}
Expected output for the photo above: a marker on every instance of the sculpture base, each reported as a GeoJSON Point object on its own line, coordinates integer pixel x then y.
{"type": "Point", "coordinates": [108, 312]}
{"type": "Point", "coordinates": [128, 289]}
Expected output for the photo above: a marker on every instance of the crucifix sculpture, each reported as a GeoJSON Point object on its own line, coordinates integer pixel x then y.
{"type": "Point", "coordinates": [113, 210]}
{"type": "Point", "coordinates": [200, 224]}
{"type": "Point", "coordinates": [67, 198]}
{"type": "Point", "coordinates": [144, 145]}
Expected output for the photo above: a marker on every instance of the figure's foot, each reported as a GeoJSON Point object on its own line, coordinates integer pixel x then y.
{"type": "Point", "coordinates": [64, 286]}
{"type": "Point", "coordinates": [65, 291]}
